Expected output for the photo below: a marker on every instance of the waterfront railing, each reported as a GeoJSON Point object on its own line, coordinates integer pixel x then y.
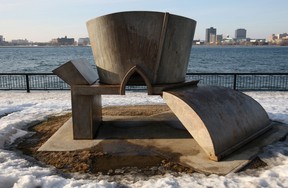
{"type": "Point", "coordinates": [31, 81]}
{"type": "Point", "coordinates": [236, 81]}
{"type": "Point", "coordinates": [244, 81]}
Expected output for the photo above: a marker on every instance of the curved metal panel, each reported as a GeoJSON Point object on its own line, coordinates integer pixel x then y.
{"type": "Point", "coordinates": [158, 42]}
{"type": "Point", "coordinates": [220, 119]}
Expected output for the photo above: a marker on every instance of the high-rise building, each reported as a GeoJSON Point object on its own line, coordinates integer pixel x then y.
{"type": "Point", "coordinates": [210, 35]}
{"type": "Point", "coordinates": [219, 38]}
{"type": "Point", "coordinates": [240, 34]}
{"type": "Point", "coordinates": [1, 39]}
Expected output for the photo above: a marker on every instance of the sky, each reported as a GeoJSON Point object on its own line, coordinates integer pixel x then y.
{"type": "Point", "coordinates": [43, 20]}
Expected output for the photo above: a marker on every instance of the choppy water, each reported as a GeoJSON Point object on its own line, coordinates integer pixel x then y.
{"type": "Point", "coordinates": [203, 58]}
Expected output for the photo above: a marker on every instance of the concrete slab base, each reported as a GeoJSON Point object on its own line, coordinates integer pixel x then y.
{"type": "Point", "coordinates": [160, 135]}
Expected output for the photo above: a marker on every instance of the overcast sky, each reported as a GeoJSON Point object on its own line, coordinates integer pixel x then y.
{"type": "Point", "coordinates": [42, 20]}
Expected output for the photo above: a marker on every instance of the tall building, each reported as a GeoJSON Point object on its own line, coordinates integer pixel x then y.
{"type": "Point", "coordinates": [240, 34]}
{"type": "Point", "coordinates": [1, 39]}
{"type": "Point", "coordinates": [210, 35]}
{"type": "Point", "coordinates": [219, 38]}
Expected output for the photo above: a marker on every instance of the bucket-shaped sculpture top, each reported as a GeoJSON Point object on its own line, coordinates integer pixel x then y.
{"type": "Point", "coordinates": [156, 45]}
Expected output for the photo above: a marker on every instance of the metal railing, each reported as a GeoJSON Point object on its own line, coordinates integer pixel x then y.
{"type": "Point", "coordinates": [31, 81]}
{"type": "Point", "coordinates": [244, 81]}
{"type": "Point", "coordinates": [237, 81]}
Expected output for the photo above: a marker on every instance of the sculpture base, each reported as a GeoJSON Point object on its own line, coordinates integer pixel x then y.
{"type": "Point", "coordinates": [159, 135]}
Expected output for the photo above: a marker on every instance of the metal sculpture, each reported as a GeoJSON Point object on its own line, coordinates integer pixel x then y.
{"type": "Point", "coordinates": [153, 49]}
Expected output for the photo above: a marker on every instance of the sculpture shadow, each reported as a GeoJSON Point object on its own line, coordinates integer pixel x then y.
{"type": "Point", "coordinates": [143, 128]}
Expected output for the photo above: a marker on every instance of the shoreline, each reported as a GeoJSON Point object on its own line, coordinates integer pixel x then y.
{"type": "Point", "coordinates": [194, 45]}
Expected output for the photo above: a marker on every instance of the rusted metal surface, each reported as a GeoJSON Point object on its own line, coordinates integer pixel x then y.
{"type": "Point", "coordinates": [220, 119]}
{"type": "Point", "coordinates": [158, 43]}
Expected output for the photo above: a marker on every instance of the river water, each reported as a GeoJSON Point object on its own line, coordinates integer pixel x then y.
{"type": "Point", "coordinates": [203, 59]}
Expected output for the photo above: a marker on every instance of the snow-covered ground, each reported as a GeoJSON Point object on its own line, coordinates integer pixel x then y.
{"type": "Point", "coordinates": [19, 110]}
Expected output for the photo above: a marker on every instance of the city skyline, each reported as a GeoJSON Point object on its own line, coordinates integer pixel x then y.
{"type": "Point", "coordinates": [42, 20]}
{"type": "Point", "coordinates": [207, 33]}
{"type": "Point", "coordinates": [211, 37]}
